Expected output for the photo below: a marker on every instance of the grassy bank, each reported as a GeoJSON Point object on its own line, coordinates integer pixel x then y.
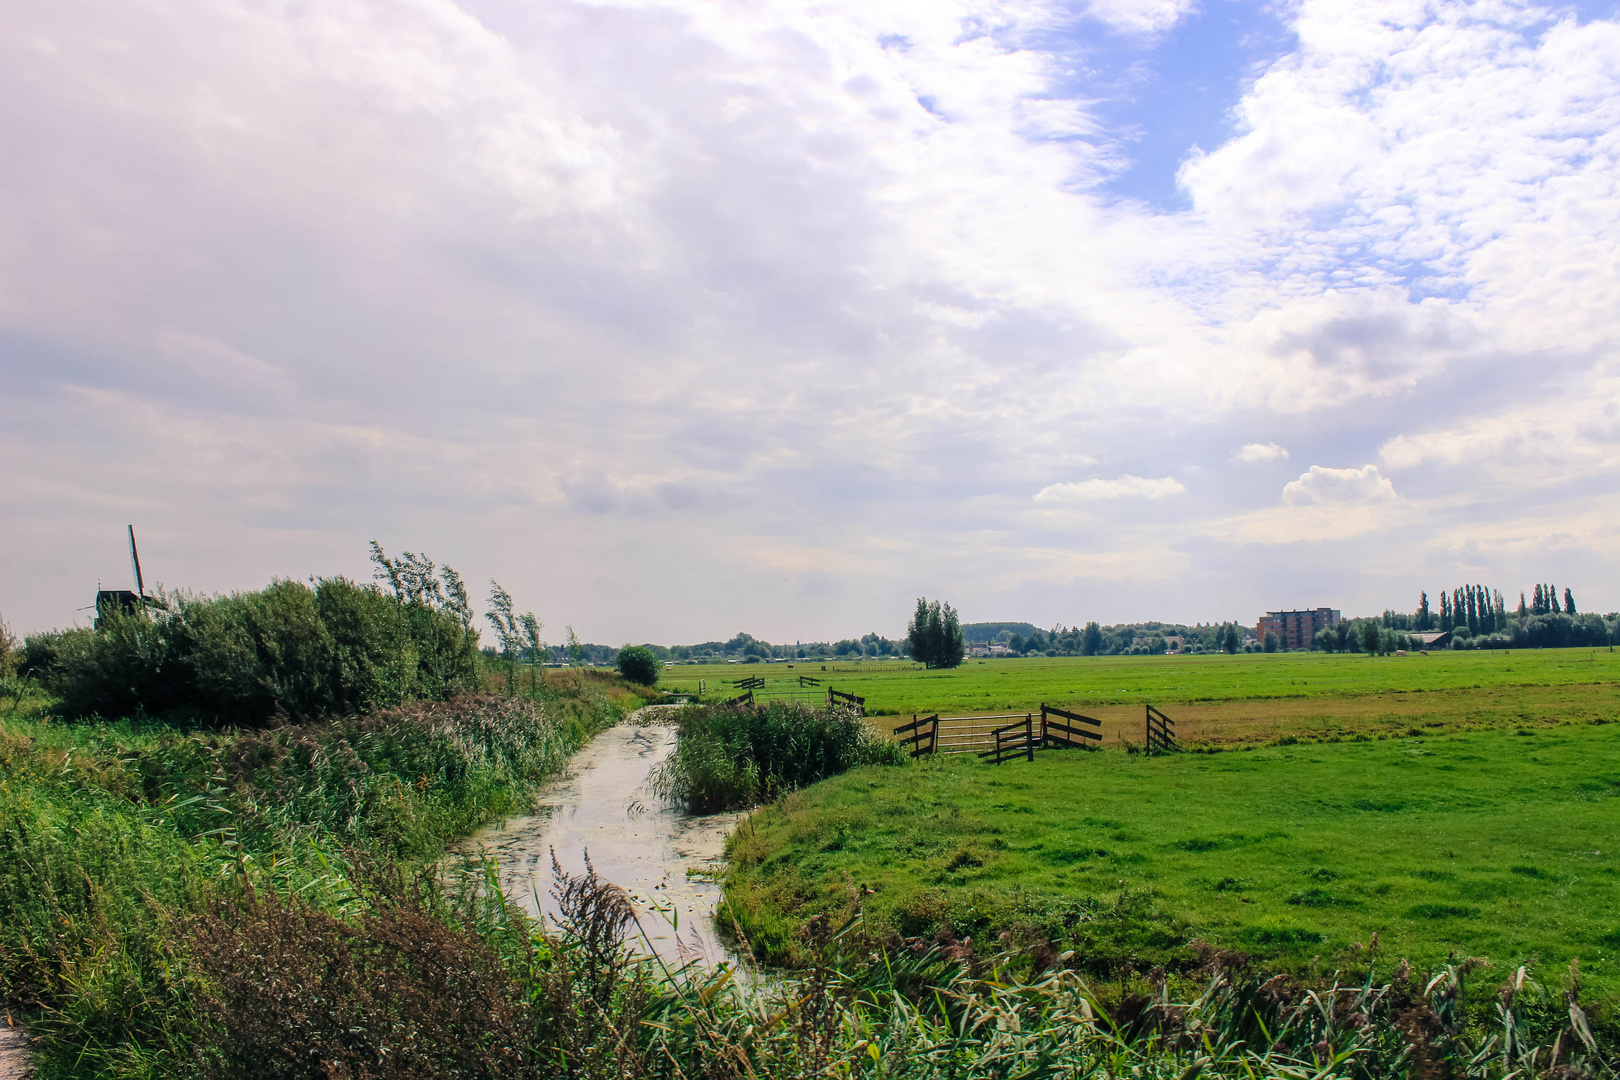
{"type": "Point", "coordinates": [116, 837]}
{"type": "Point", "coordinates": [1499, 844]}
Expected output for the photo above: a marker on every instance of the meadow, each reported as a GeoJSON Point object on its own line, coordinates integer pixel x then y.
{"type": "Point", "coordinates": [1497, 844]}
{"type": "Point", "coordinates": [1242, 698]}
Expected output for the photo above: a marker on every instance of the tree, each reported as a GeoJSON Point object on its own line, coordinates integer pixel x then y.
{"type": "Point", "coordinates": [935, 635]}
{"type": "Point", "coordinates": [1370, 637]}
{"type": "Point", "coordinates": [576, 651]}
{"type": "Point", "coordinates": [1229, 638]}
{"type": "Point", "coordinates": [1272, 643]}
{"type": "Point", "coordinates": [638, 665]}
{"type": "Point", "coordinates": [1091, 640]}
{"type": "Point", "coordinates": [1423, 619]}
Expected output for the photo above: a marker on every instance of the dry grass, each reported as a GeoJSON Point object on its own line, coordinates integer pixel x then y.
{"type": "Point", "coordinates": [1389, 714]}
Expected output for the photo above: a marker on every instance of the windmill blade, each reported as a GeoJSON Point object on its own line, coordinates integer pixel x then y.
{"type": "Point", "coordinates": [135, 560]}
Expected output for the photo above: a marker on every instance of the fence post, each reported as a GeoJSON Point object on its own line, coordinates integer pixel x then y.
{"type": "Point", "coordinates": [933, 738]}
{"type": "Point", "coordinates": [1029, 736]}
{"type": "Point", "coordinates": [1147, 727]}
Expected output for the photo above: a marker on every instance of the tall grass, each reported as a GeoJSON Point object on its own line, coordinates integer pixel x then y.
{"type": "Point", "coordinates": [730, 756]}
{"type": "Point", "coordinates": [928, 1012]}
{"type": "Point", "coordinates": [113, 838]}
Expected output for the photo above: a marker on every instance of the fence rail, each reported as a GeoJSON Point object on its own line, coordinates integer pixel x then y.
{"type": "Point", "coordinates": [1013, 741]}
{"type": "Point", "coordinates": [1161, 733]}
{"type": "Point", "coordinates": [849, 701]}
{"type": "Point", "coordinates": [1056, 734]}
{"type": "Point", "coordinates": [921, 735]}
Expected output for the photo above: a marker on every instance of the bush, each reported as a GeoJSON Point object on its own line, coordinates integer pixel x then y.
{"type": "Point", "coordinates": [738, 755]}
{"type": "Point", "coordinates": [638, 665]}
{"type": "Point", "coordinates": [288, 650]}
{"type": "Point", "coordinates": [297, 991]}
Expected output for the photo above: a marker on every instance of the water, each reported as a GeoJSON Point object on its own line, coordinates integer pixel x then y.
{"type": "Point", "coordinates": [602, 806]}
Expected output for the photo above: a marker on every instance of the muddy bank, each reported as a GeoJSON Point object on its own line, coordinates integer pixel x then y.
{"type": "Point", "coordinates": [668, 861]}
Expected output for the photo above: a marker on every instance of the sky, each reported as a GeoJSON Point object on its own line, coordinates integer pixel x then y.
{"type": "Point", "coordinates": [685, 317]}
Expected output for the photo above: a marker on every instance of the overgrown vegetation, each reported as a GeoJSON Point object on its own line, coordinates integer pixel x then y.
{"type": "Point", "coordinates": [115, 838]}
{"type": "Point", "coordinates": [729, 756]}
{"type": "Point", "coordinates": [290, 650]}
{"type": "Point", "coordinates": [1491, 844]}
{"type": "Point", "coordinates": [413, 980]}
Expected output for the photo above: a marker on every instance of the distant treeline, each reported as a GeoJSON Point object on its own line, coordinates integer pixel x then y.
{"type": "Point", "coordinates": [1478, 617]}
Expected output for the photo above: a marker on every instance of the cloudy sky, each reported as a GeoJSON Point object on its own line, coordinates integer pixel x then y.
{"type": "Point", "coordinates": [682, 317]}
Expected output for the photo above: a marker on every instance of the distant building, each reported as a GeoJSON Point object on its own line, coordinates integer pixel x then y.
{"type": "Point", "coordinates": [1295, 629]}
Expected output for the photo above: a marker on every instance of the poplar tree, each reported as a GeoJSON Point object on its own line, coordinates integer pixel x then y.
{"type": "Point", "coordinates": [1569, 602]}
{"type": "Point", "coordinates": [935, 635]}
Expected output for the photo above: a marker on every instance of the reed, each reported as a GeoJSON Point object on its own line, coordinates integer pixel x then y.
{"type": "Point", "coordinates": [730, 756]}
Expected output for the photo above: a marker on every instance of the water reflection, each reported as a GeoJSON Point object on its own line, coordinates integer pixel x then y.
{"type": "Point", "coordinates": [602, 805]}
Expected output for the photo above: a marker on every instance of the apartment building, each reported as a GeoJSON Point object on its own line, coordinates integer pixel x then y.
{"type": "Point", "coordinates": [1295, 629]}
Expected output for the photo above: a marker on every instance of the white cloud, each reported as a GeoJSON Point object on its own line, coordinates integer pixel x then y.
{"type": "Point", "coordinates": [1126, 486]}
{"type": "Point", "coordinates": [1140, 16]}
{"type": "Point", "coordinates": [1255, 452]}
{"type": "Point", "coordinates": [525, 285]}
{"type": "Point", "coordinates": [1325, 486]}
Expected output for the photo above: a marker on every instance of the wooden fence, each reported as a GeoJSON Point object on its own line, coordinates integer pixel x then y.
{"type": "Point", "coordinates": [1012, 741]}
{"type": "Point", "coordinates": [981, 735]}
{"type": "Point", "coordinates": [1161, 733]}
{"type": "Point", "coordinates": [921, 735]}
{"type": "Point", "coordinates": [753, 682]}
{"type": "Point", "coordinates": [744, 698]}
{"type": "Point", "coordinates": [848, 701]}
{"type": "Point", "coordinates": [1058, 729]}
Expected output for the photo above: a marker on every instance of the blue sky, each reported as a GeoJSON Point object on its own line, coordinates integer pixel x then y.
{"type": "Point", "coordinates": [682, 317]}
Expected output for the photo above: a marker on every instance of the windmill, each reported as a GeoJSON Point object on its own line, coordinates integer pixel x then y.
{"type": "Point", "coordinates": [122, 599]}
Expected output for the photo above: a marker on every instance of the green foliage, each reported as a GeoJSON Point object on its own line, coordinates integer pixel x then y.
{"type": "Point", "coordinates": [935, 635]}
{"type": "Point", "coordinates": [638, 665]}
{"type": "Point", "coordinates": [288, 650]}
{"type": "Point", "coordinates": [114, 838]}
{"type": "Point", "coordinates": [729, 756]}
{"type": "Point", "coordinates": [1287, 853]}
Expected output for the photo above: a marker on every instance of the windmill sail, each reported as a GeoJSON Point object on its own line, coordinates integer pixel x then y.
{"type": "Point", "coordinates": [135, 561]}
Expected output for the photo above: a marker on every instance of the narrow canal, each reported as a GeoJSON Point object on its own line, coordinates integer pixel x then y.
{"type": "Point", "coordinates": [669, 862]}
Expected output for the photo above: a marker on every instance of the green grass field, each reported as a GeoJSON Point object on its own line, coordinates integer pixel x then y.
{"type": "Point", "coordinates": [1499, 844]}
{"type": "Point", "coordinates": [990, 685]}
{"type": "Point", "coordinates": [1223, 699]}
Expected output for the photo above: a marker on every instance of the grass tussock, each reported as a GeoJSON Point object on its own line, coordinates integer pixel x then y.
{"type": "Point", "coordinates": [729, 756]}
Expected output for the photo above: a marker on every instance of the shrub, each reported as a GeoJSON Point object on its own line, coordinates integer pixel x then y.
{"type": "Point", "coordinates": [288, 650]}
{"type": "Point", "coordinates": [638, 665]}
{"type": "Point", "coordinates": [736, 755]}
